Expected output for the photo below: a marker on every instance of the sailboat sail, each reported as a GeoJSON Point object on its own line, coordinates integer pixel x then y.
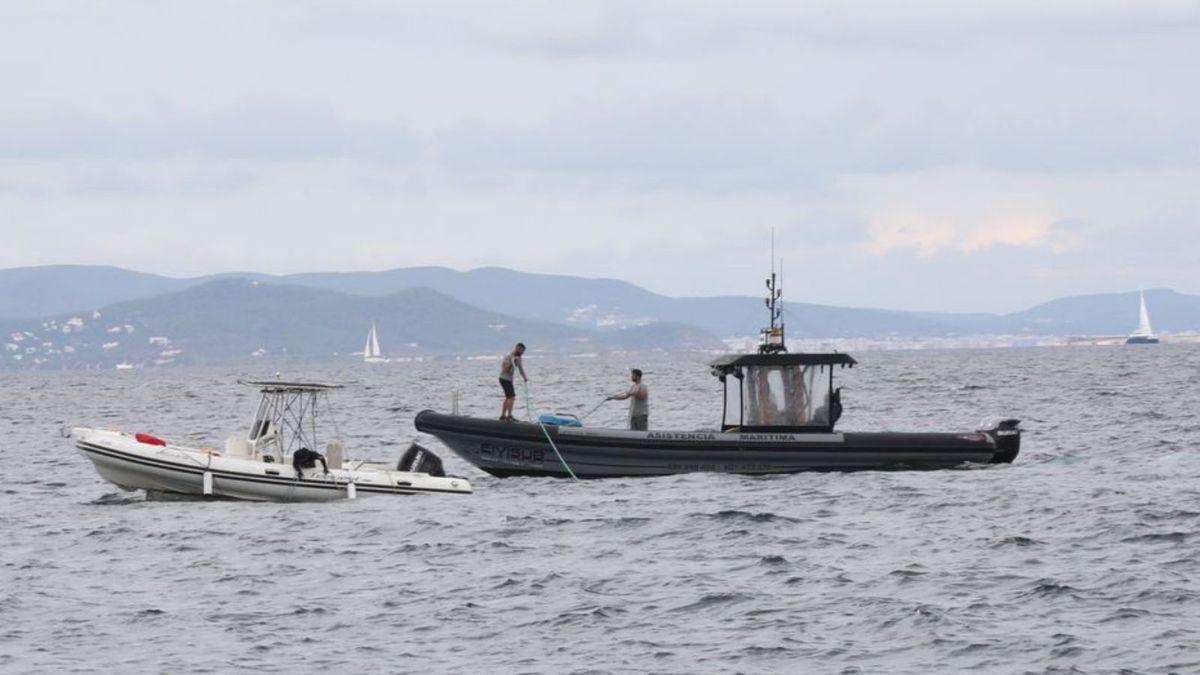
{"type": "Point", "coordinates": [371, 351]}
{"type": "Point", "coordinates": [1144, 319]}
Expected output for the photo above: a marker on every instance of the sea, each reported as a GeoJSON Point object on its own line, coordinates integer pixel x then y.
{"type": "Point", "coordinates": [1080, 557]}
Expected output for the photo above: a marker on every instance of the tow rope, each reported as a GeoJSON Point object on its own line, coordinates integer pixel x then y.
{"type": "Point", "coordinates": [529, 414]}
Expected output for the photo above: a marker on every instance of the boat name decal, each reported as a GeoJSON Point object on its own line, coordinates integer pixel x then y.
{"type": "Point", "coordinates": [766, 437]}
{"type": "Point", "coordinates": [508, 453]}
{"type": "Point", "coordinates": [680, 436]}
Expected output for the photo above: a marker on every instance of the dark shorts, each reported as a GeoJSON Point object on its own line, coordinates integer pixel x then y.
{"type": "Point", "coordinates": [639, 422]}
{"type": "Point", "coordinates": [506, 385]}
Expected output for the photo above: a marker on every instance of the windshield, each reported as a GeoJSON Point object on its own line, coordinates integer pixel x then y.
{"type": "Point", "coordinates": [785, 396]}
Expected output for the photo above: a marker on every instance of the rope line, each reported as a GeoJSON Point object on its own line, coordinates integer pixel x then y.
{"type": "Point", "coordinates": [546, 432]}
{"type": "Point", "coordinates": [588, 413]}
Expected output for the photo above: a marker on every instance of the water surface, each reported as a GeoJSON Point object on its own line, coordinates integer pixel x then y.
{"type": "Point", "coordinates": [1080, 557]}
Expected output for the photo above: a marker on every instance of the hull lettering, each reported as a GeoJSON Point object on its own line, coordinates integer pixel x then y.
{"type": "Point", "coordinates": [511, 454]}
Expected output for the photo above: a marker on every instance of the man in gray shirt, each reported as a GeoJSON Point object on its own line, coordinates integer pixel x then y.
{"type": "Point", "coordinates": [639, 402]}
{"type": "Point", "coordinates": [508, 363]}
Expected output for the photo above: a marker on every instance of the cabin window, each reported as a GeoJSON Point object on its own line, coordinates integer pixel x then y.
{"type": "Point", "coordinates": [733, 398]}
{"type": "Point", "coordinates": [788, 396]}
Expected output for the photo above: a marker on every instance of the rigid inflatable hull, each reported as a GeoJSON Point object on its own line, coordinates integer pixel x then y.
{"type": "Point", "coordinates": [136, 466]}
{"type": "Point", "coordinates": [521, 449]}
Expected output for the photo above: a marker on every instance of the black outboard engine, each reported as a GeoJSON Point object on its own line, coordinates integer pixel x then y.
{"type": "Point", "coordinates": [1008, 440]}
{"type": "Point", "coordinates": [418, 459]}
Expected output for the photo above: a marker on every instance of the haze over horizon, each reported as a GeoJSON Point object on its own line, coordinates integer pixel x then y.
{"type": "Point", "coordinates": [748, 293]}
{"type": "Point", "coordinates": [985, 157]}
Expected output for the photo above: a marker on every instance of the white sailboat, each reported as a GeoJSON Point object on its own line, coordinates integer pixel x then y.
{"type": "Point", "coordinates": [1144, 335]}
{"type": "Point", "coordinates": [371, 352]}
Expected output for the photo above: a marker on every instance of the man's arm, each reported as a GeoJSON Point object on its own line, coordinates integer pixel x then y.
{"type": "Point", "coordinates": [521, 367]}
{"type": "Point", "coordinates": [622, 397]}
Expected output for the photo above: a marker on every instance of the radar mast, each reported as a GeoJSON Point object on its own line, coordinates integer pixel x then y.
{"type": "Point", "coordinates": [772, 336]}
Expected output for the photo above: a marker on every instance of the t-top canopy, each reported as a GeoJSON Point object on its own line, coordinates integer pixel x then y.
{"type": "Point", "coordinates": [730, 362]}
{"type": "Point", "coordinates": [280, 386]}
{"type": "Point", "coordinates": [780, 391]}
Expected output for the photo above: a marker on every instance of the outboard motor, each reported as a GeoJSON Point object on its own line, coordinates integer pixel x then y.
{"type": "Point", "coordinates": [418, 459]}
{"type": "Point", "coordinates": [1008, 440]}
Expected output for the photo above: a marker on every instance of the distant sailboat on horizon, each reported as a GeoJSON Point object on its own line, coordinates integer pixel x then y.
{"type": "Point", "coordinates": [1144, 335]}
{"type": "Point", "coordinates": [371, 352]}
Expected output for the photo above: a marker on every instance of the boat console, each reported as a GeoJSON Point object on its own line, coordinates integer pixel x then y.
{"type": "Point", "coordinates": [285, 421]}
{"type": "Point", "coordinates": [780, 391]}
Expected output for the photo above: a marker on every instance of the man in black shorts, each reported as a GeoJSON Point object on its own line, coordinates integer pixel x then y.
{"type": "Point", "coordinates": [509, 363]}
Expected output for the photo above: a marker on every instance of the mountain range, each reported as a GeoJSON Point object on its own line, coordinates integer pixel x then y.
{"type": "Point", "coordinates": [228, 319]}
{"type": "Point", "coordinates": [72, 315]}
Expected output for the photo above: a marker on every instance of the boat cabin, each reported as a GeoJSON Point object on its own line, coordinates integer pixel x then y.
{"type": "Point", "coordinates": [780, 392]}
{"type": "Point", "coordinates": [286, 420]}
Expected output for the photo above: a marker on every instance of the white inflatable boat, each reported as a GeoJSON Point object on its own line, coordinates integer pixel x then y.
{"type": "Point", "coordinates": [262, 465]}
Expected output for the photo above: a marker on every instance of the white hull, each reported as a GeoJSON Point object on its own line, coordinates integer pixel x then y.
{"type": "Point", "coordinates": [120, 459]}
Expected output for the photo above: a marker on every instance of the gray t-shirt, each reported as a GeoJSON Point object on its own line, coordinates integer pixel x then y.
{"type": "Point", "coordinates": [508, 364]}
{"type": "Point", "coordinates": [639, 406]}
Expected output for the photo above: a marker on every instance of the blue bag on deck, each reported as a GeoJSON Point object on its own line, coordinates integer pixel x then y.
{"type": "Point", "coordinates": [560, 420]}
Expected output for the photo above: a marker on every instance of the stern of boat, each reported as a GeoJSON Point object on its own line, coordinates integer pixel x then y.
{"type": "Point", "coordinates": [1007, 435]}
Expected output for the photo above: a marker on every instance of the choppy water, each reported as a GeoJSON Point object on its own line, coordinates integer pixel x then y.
{"type": "Point", "coordinates": [1080, 557]}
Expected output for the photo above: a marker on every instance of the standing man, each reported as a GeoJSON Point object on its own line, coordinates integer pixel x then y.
{"type": "Point", "coordinates": [509, 363]}
{"type": "Point", "coordinates": [639, 402]}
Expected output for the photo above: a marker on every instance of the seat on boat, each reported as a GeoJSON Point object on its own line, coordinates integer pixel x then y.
{"type": "Point", "coordinates": [236, 446]}
{"type": "Point", "coordinates": [334, 455]}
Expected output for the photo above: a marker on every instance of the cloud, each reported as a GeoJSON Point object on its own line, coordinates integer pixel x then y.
{"type": "Point", "coordinates": [1022, 231]}
{"type": "Point", "coordinates": [985, 140]}
{"type": "Point", "coordinates": [922, 233]}
{"type": "Point", "coordinates": [276, 131]}
{"type": "Point", "coordinates": [774, 96]}
{"type": "Point", "coordinates": [929, 234]}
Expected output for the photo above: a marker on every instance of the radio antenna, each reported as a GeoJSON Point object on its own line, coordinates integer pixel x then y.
{"type": "Point", "coordinates": [772, 336]}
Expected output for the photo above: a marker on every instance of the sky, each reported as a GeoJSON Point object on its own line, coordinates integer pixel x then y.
{"type": "Point", "coordinates": [981, 156]}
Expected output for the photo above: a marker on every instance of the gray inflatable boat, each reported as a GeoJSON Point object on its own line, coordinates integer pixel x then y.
{"type": "Point", "coordinates": [780, 415]}
{"type": "Point", "coordinates": [781, 412]}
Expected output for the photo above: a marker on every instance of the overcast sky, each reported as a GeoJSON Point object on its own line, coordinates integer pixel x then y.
{"type": "Point", "coordinates": [950, 155]}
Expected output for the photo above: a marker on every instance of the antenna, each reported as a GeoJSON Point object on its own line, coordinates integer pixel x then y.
{"type": "Point", "coordinates": [772, 336]}
{"type": "Point", "coordinates": [781, 294]}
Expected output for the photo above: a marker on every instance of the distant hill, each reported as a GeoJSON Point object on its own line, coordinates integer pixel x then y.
{"type": "Point", "coordinates": [237, 319]}
{"type": "Point", "coordinates": [613, 305]}
{"type": "Point", "coordinates": [549, 297]}
{"type": "Point", "coordinates": [31, 292]}
{"type": "Point", "coordinates": [35, 292]}
{"type": "Point", "coordinates": [1106, 314]}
